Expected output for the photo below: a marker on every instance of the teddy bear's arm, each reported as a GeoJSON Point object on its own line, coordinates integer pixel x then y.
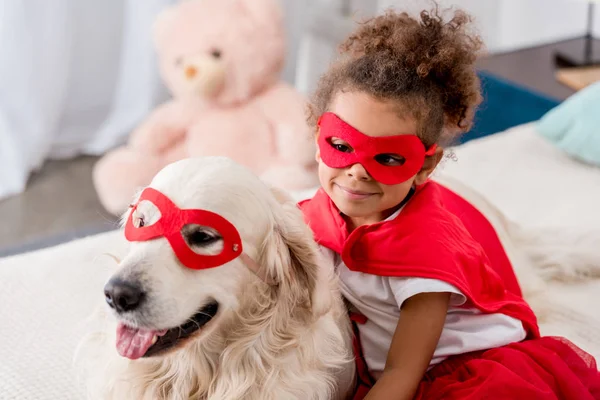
{"type": "Point", "coordinates": [164, 128]}
{"type": "Point", "coordinates": [284, 108]}
{"type": "Point", "coordinates": [295, 165]}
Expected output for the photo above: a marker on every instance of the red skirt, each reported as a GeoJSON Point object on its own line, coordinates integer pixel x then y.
{"type": "Point", "coordinates": [543, 368]}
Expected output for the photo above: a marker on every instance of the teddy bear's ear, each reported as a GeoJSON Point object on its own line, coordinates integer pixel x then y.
{"type": "Point", "coordinates": [163, 22]}
{"type": "Point", "coordinates": [262, 12]}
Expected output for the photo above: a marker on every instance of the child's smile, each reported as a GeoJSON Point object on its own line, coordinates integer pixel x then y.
{"type": "Point", "coordinates": [354, 194]}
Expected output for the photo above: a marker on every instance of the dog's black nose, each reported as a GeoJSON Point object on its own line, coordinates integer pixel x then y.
{"type": "Point", "coordinates": [123, 296]}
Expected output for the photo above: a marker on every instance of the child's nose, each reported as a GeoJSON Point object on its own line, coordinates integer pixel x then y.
{"type": "Point", "coordinates": [358, 172]}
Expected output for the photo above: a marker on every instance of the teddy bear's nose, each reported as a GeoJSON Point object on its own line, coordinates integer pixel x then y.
{"type": "Point", "coordinates": [191, 72]}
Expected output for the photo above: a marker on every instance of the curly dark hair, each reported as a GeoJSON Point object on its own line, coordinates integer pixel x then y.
{"type": "Point", "coordinates": [425, 64]}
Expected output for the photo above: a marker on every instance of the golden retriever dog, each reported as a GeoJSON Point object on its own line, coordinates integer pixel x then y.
{"type": "Point", "coordinates": [267, 324]}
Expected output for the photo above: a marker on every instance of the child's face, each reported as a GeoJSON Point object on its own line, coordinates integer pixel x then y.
{"type": "Point", "coordinates": [355, 193]}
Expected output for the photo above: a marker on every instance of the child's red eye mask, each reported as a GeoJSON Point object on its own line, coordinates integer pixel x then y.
{"type": "Point", "coordinates": [371, 152]}
{"type": "Point", "coordinates": [170, 224]}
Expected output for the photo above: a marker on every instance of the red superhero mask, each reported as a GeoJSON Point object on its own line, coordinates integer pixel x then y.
{"type": "Point", "coordinates": [371, 152]}
{"type": "Point", "coordinates": [173, 219]}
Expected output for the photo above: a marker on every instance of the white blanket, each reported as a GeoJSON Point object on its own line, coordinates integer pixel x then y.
{"type": "Point", "coordinates": [529, 179]}
{"type": "Point", "coordinates": [537, 185]}
{"type": "Point", "coordinates": [47, 295]}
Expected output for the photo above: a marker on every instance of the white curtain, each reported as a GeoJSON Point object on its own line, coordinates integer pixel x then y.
{"type": "Point", "coordinates": [75, 77]}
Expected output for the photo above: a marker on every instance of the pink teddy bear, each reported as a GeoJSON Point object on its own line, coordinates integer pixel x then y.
{"type": "Point", "coordinates": [221, 60]}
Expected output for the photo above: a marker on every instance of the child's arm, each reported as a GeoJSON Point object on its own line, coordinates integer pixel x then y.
{"type": "Point", "coordinates": [415, 339]}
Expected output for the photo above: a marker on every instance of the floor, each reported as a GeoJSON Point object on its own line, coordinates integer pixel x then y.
{"type": "Point", "coordinates": [60, 203]}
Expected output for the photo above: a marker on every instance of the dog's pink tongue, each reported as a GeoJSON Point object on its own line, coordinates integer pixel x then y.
{"type": "Point", "coordinates": [133, 343]}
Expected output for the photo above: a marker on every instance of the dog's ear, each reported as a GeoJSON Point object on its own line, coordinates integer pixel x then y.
{"type": "Point", "coordinates": [294, 260]}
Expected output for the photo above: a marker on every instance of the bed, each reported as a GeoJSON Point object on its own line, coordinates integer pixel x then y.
{"type": "Point", "coordinates": [47, 295]}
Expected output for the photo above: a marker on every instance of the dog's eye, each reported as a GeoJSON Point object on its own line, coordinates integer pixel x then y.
{"type": "Point", "coordinates": [138, 221]}
{"type": "Point", "coordinates": [202, 238]}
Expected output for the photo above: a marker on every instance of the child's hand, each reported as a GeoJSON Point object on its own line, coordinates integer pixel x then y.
{"type": "Point", "coordinates": [415, 339]}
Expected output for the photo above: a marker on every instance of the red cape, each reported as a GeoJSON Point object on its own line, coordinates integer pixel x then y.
{"type": "Point", "coordinates": [438, 235]}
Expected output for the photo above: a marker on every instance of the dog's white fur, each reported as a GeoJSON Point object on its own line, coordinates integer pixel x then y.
{"type": "Point", "coordinates": [286, 341]}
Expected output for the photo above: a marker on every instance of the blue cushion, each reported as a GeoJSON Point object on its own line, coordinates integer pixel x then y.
{"type": "Point", "coordinates": [506, 104]}
{"type": "Point", "coordinates": [574, 126]}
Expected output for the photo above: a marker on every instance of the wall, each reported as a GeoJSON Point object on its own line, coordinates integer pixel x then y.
{"type": "Point", "coordinates": [533, 22]}
{"type": "Point", "coordinates": [505, 25]}
{"type": "Point", "coordinates": [484, 12]}
{"type": "Point", "coordinates": [295, 13]}
{"type": "Point", "coordinates": [597, 20]}
{"type": "Point", "coordinates": [508, 25]}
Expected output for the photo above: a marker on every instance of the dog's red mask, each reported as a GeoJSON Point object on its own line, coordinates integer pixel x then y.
{"type": "Point", "coordinates": [407, 151]}
{"type": "Point", "coordinates": [170, 224]}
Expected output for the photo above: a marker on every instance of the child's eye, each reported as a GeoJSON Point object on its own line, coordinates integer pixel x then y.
{"type": "Point", "coordinates": [390, 160]}
{"type": "Point", "coordinates": [339, 145]}
{"type": "Point", "coordinates": [342, 147]}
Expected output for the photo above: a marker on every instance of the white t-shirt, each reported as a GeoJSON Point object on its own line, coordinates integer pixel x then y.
{"type": "Point", "coordinates": [379, 299]}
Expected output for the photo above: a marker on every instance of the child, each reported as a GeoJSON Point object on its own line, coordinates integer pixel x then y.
{"type": "Point", "coordinates": [440, 312]}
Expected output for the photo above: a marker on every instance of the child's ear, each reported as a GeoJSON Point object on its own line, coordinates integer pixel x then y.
{"type": "Point", "coordinates": [429, 166]}
{"type": "Point", "coordinates": [318, 150]}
